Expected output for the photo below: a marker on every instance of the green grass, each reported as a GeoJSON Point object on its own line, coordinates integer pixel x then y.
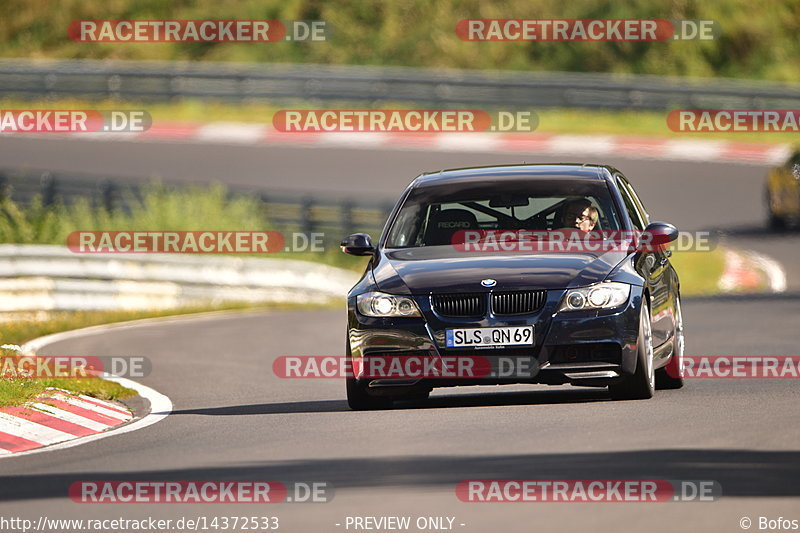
{"type": "Point", "coordinates": [699, 272]}
{"type": "Point", "coordinates": [161, 208]}
{"type": "Point", "coordinates": [18, 391]}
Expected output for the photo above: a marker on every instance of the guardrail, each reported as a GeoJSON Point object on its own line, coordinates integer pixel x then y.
{"type": "Point", "coordinates": [305, 213]}
{"type": "Point", "coordinates": [51, 278]}
{"type": "Point", "coordinates": [325, 84]}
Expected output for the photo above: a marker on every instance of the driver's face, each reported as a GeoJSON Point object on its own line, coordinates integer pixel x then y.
{"type": "Point", "coordinates": [580, 219]}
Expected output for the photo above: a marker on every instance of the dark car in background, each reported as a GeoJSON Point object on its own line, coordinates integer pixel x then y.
{"type": "Point", "coordinates": [783, 193]}
{"type": "Point", "coordinates": [608, 317]}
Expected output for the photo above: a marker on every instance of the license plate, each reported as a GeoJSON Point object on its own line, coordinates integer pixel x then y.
{"type": "Point", "coordinates": [505, 336]}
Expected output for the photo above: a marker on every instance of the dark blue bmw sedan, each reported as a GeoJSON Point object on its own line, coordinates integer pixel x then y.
{"type": "Point", "coordinates": [515, 274]}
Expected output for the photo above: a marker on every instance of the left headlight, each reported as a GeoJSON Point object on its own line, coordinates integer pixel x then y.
{"type": "Point", "coordinates": [380, 304]}
{"type": "Point", "coordinates": [599, 296]}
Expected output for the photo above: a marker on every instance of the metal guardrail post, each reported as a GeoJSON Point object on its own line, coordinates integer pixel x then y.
{"type": "Point", "coordinates": [307, 219]}
{"type": "Point", "coordinates": [108, 190]}
{"type": "Point", "coordinates": [49, 190]}
{"type": "Point", "coordinates": [347, 218]}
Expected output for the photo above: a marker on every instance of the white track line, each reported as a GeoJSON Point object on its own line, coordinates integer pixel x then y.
{"type": "Point", "coordinates": [772, 268]}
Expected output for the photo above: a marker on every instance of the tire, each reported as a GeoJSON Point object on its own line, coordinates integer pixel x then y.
{"type": "Point", "coordinates": [775, 222]}
{"type": "Point", "coordinates": [671, 376]}
{"type": "Point", "coordinates": [641, 385]}
{"type": "Point", "coordinates": [359, 400]}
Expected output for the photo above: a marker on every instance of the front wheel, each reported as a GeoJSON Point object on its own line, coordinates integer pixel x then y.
{"type": "Point", "coordinates": [359, 400]}
{"type": "Point", "coordinates": [671, 376]}
{"type": "Point", "coordinates": [642, 384]}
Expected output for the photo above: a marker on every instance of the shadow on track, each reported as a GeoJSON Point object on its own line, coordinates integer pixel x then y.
{"type": "Point", "coordinates": [746, 297]}
{"type": "Point", "coordinates": [546, 397]}
{"type": "Point", "coordinates": [741, 473]}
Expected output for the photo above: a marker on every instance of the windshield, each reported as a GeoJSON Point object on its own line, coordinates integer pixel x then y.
{"type": "Point", "coordinates": [432, 215]}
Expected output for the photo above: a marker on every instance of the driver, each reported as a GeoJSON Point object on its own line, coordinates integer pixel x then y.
{"type": "Point", "coordinates": [580, 214]}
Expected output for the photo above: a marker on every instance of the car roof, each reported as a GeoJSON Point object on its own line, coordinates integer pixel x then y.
{"type": "Point", "coordinates": [567, 171]}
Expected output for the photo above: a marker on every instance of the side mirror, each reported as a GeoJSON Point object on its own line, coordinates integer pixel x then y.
{"type": "Point", "coordinates": [358, 244]}
{"type": "Point", "coordinates": [657, 235]}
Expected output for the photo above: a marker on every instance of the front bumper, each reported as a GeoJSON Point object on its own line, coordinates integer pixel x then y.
{"type": "Point", "coordinates": [592, 348]}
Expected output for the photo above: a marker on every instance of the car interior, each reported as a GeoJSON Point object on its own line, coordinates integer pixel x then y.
{"type": "Point", "coordinates": [444, 221]}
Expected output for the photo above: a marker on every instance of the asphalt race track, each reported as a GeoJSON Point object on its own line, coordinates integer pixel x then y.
{"type": "Point", "coordinates": [234, 420]}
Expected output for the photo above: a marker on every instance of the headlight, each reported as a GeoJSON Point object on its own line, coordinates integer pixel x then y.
{"type": "Point", "coordinates": [381, 304]}
{"type": "Point", "coordinates": [598, 296]}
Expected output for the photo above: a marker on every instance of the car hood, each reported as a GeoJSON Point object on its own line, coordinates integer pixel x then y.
{"type": "Point", "coordinates": [435, 269]}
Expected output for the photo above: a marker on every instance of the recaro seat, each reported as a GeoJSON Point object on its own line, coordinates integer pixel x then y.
{"type": "Point", "coordinates": [445, 223]}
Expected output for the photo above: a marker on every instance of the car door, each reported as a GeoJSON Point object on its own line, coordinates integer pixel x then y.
{"type": "Point", "coordinates": [654, 266]}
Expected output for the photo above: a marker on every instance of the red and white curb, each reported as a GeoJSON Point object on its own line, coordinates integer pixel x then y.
{"type": "Point", "coordinates": [104, 420]}
{"type": "Point", "coordinates": [689, 149]}
{"type": "Point", "coordinates": [56, 416]}
{"type": "Point", "coordinates": [747, 271]}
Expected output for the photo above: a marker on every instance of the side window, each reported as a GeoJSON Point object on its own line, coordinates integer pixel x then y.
{"type": "Point", "coordinates": [630, 207]}
{"type": "Point", "coordinates": [642, 211]}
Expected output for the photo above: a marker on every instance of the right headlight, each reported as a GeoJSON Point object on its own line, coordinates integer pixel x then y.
{"type": "Point", "coordinates": [380, 304]}
{"type": "Point", "coordinates": [605, 295]}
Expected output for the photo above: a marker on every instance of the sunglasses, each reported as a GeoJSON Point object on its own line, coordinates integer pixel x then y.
{"type": "Point", "coordinates": [578, 216]}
